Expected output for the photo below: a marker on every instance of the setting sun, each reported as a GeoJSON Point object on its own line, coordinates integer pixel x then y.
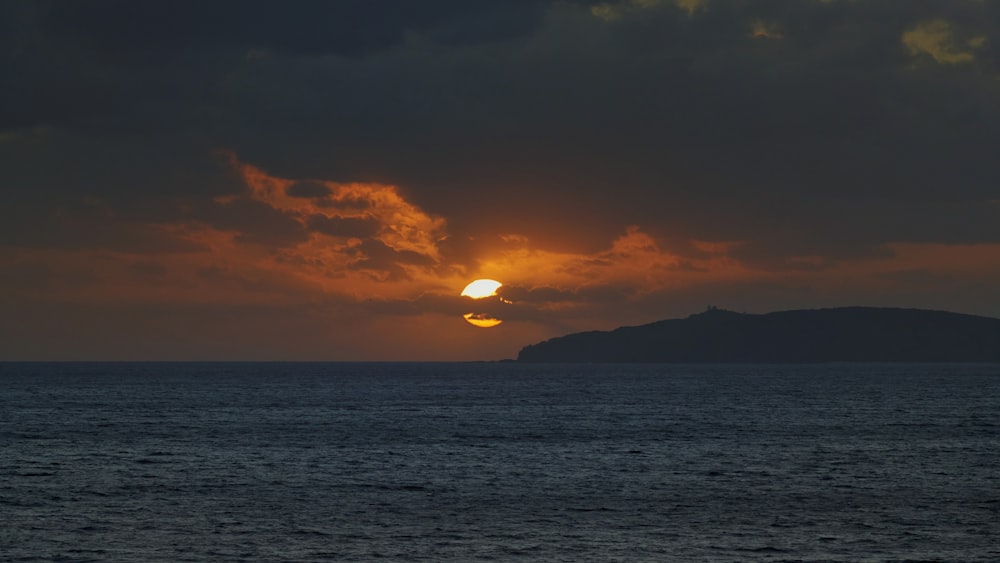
{"type": "Point", "coordinates": [481, 320]}
{"type": "Point", "coordinates": [481, 288]}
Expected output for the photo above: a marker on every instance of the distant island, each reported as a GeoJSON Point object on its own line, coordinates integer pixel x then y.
{"type": "Point", "coordinates": [847, 334]}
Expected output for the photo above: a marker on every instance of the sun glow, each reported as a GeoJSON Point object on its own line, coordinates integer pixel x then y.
{"type": "Point", "coordinates": [481, 288]}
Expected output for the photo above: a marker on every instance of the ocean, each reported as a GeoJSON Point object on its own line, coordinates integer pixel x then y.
{"type": "Point", "coordinates": [498, 462]}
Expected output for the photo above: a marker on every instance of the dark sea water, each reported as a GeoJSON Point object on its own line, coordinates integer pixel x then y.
{"type": "Point", "coordinates": [502, 462]}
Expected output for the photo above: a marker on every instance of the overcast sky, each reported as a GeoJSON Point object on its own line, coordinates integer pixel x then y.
{"type": "Point", "coordinates": [319, 180]}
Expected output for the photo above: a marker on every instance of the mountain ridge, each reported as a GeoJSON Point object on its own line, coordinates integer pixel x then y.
{"type": "Point", "coordinates": [842, 334]}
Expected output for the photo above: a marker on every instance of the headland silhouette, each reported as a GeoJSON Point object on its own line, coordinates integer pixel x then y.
{"type": "Point", "coordinates": [847, 334]}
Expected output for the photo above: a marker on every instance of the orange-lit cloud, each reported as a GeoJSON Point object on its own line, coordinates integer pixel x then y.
{"type": "Point", "coordinates": [401, 225]}
{"type": "Point", "coordinates": [362, 240]}
{"type": "Point", "coordinates": [403, 256]}
{"type": "Point", "coordinates": [939, 40]}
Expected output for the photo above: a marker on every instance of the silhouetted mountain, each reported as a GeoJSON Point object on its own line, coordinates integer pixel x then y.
{"type": "Point", "coordinates": [849, 334]}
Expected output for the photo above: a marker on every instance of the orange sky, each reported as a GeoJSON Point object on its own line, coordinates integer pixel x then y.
{"type": "Point", "coordinates": [240, 191]}
{"type": "Point", "coordinates": [383, 283]}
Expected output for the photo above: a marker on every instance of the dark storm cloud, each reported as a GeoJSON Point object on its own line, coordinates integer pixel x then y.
{"type": "Point", "coordinates": [451, 305]}
{"type": "Point", "coordinates": [343, 226]}
{"type": "Point", "coordinates": [539, 304]}
{"type": "Point", "coordinates": [308, 190]}
{"type": "Point", "coordinates": [47, 166]}
{"type": "Point", "coordinates": [87, 224]}
{"type": "Point", "coordinates": [117, 64]}
{"type": "Point", "coordinates": [341, 27]}
{"type": "Point", "coordinates": [537, 295]}
{"type": "Point", "coordinates": [253, 221]}
{"type": "Point", "coordinates": [375, 256]}
{"type": "Point", "coordinates": [827, 135]}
